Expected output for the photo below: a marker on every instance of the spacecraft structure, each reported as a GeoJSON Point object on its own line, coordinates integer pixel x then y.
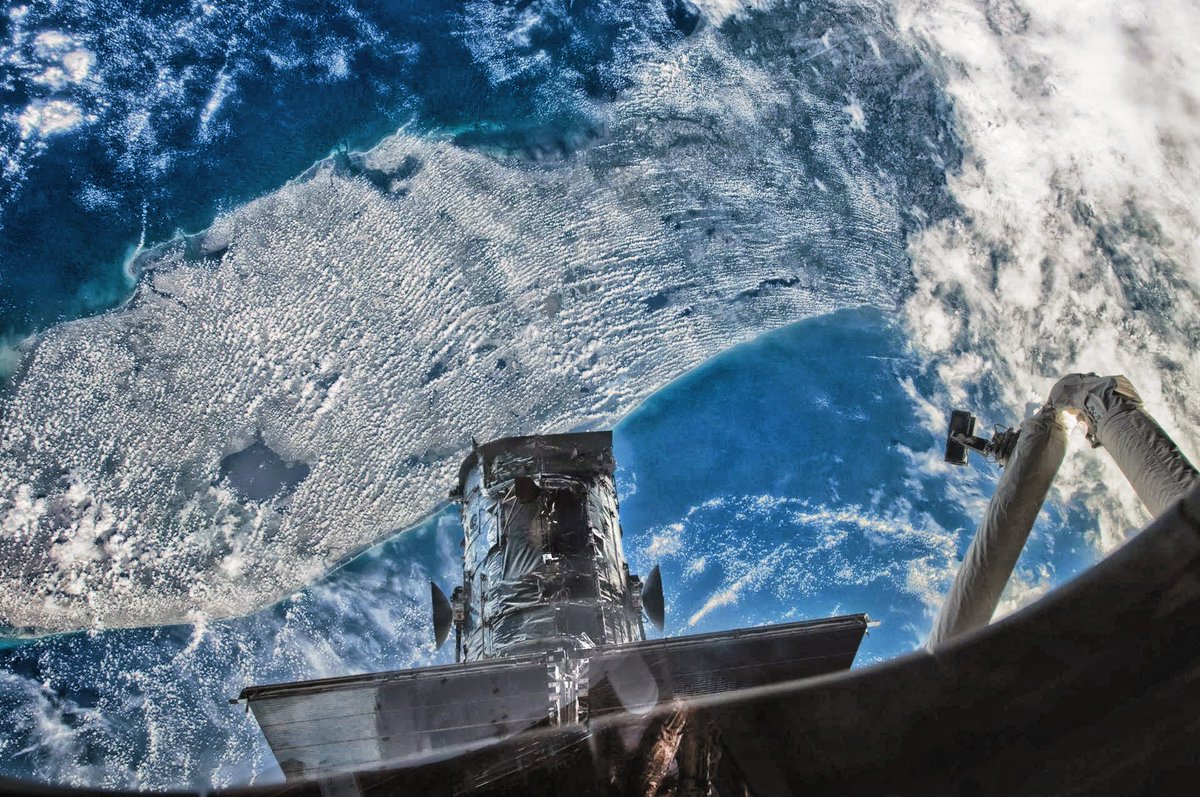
{"type": "Point", "coordinates": [551, 651]}
{"type": "Point", "coordinates": [543, 567]}
{"type": "Point", "coordinates": [1115, 418]}
{"type": "Point", "coordinates": [550, 634]}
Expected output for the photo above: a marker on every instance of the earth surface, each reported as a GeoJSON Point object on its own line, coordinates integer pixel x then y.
{"type": "Point", "coordinates": [265, 272]}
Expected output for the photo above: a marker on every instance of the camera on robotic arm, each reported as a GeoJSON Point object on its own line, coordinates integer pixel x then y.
{"type": "Point", "coordinates": [961, 438]}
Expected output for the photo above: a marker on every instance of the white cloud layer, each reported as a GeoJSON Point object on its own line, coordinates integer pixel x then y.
{"type": "Point", "coordinates": [1079, 245]}
{"type": "Point", "coordinates": [370, 327]}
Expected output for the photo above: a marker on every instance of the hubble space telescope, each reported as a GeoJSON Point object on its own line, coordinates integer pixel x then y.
{"type": "Point", "coordinates": [556, 689]}
{"type": "Point", "coordinates": [550, 648]}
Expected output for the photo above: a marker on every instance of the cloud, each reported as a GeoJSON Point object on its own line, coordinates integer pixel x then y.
{"type": "Point", "coordinates": [785, 551]}
{"type": "Point", "coordinates": [1077, 248]}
